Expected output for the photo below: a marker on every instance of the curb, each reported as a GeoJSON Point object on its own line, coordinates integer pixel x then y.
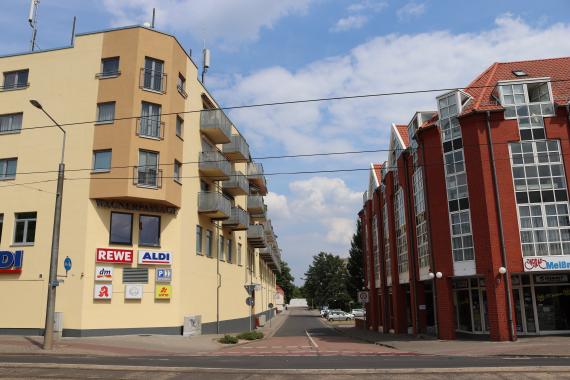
{"type": "Point", "coordinates": [378, 343]}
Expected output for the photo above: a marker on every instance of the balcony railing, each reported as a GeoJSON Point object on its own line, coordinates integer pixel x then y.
{"type": "Point", "coordinates": [14, 86]}
{"type": "Point", "coordinates": [216, 125]}
{"type": "Point", "coordinates": [237, 149]}
{"type": "Point", "coordinates": [256, 177]}
{"type": "Point", "coordinates": [153, 80]}
{"type": "Point", "coordinates": [214, 165]}
{"type": "Point", "coordinates": [269, 233]}
{"type": "Point", "coordinates": [214, 204]}
{"type": "Point", "coordinates": [255, 204]}
{"type": "Point", "coordinates": [239, 220]}
{"type": "Point", "coordinates": [150, 128]}
{"type": "Point", "coordinates": [237, 184]}
{"type": "Point", "coordinates": [256, 236]}
{"type": "Point", "coordinates": [147, 176]}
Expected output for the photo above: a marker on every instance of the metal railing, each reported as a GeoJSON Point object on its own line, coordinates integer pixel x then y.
{"type": "Point", "coordinates": [214, 202]}
{"type": "Point", "coordinates": [212, 160]}
{"type": "Point", "coordinates": [153, 80]}
{"type": "Point", "coordinates": [216, 125]}
{"type": "Point", "coordinates": [255, 202]}
{"type": "Point", "coordinates": [147, 176]}
{"type": "Point", "coordinates": [236, 181]}
{"type": "Point", "coordinates": [237, 149]}
{"type": "Point", "coordinates": [238, 218]}
{"type": "Point", "coordinates": [15, 86]}
{"type": "Point", "coordinates": [150, 127]}
{"type": "Point", "coordinates": [108, 74]}
{"type": "Point", "coordinates": [255, 235]}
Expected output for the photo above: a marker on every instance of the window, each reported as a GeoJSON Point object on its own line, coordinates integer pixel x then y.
{"type": "Point", "coordinates": [149, 230]}
{"type": "Point", "coordinates": [177, 171]}
{"type": "Point", "coordinates": [15, 79]}
{"type": "Point", "coordinates": [148, 173]}
{"type": "Point", "coordinates": [181, 85]}
{"type": "Point", "coordinates": [448, 106]}
{"type": "Point", "coordinates": [401, 240]}
{"type": "Point", "coordinates": [135, 275]}
{"type": "Point", "coordinates": [421, 221]}
{"type": "Point", "coordinates": [153, 74]}
{"type": "Point", "coordinates": [1, 225]}
{"type": "Point", "coordinates": [221, 247]}
{"type": "Point", "coordinates": [229, 251]}
{"type": "Point", "coordinates": [109, 67]}
{"type": "Point", "coordinates": [121, 228]}
{"type": "Point", "coordinates": [199, 240]}
{"type": "Point", "coordinates": [150, 123]}
{"type": "Point", "coordinates": [461, 236]}
{"type": "Point", "coordinates": [102, 160]}
{"type": "Point", "coordinates": [25, 228]}
{"type": "Point", "coordinates": [8, 168]}
{"type": "Point", "coordinates": [11, 123]}
{"type": "Point", "coordinates": [179, 126]}
{"type": "Point", "coordinates": [238, 248]}
{"type": "Point", "coordinates": [105, 112]}
{"type": "Point", "coordinates": [208, 243]}
{"type": "Point", "coordinates": [387, 258]}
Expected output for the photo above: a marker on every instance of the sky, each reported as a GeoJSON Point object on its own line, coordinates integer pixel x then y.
{"type": "Point", "coordinates": [281, 50]}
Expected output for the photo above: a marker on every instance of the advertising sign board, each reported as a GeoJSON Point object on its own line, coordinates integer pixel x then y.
{"type": "Point", "coordinates": [160, 258]}
{"type": "Point", "coordinates": [11, 262]}
{"type": "Point", "coordinates": [133, 291]}
{"type": "Point", "coordinates": [103, 291]}
{"type": "Point", "coordinates": [546, 263]}
{"type": "Point", "coordinates": [103, 273]}
{"type": "Point", "coordinates": [163, 274]}
{"type": "Point", "coordinates": [111, 255]}
{"type": "Point", "coordinates": [163, 292]}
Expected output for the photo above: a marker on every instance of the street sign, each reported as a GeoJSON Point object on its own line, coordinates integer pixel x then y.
{"type": "Point", "coordinates": [163, 275]}
{"type": "Point", "coordinates": [249, 301]}
{"type": "Point", "coordinates": [67, 264]}
{"type": "Point", "coordinates": [270, 306]}
{"type": "Point", "coordinates": [363, 297]}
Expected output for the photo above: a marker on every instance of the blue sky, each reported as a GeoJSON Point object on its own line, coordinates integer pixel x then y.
{"type": "Point", "coordinates": [272, 50]}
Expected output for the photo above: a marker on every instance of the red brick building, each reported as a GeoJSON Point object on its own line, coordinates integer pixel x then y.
{"type": "Point", "coordinates": [466, 225]}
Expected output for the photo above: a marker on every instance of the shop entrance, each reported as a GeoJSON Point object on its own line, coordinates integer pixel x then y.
{"type": "Point", "coordinates": [430, 312]}
{"type": "Point", "coordinates": [470, 299]}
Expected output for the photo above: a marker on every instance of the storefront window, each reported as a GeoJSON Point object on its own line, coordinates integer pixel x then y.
{"type": "Point", "coordinates": [149, 230]}
{"type": "Point", "coordinates": [553, 307]}
{"type": "Point", "coordinates": [121, 228]}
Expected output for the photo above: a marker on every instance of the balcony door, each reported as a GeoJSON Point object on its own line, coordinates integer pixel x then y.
{"type": "Point", "coordinates": [150, 120]}
{"type": "Point", "coordinates": [148, 169]}
{"type": "Point", "coordinates": [153, 70]}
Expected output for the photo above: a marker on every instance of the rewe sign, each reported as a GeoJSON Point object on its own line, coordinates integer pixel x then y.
{"type": "Point", "coordinates": [11, 262]}
{"type": "Point", "coordinates": [110, 255]}
{"type": "Point", "coordinates": [161, 258]}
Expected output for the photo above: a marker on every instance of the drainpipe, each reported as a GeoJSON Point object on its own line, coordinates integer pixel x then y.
{"type": "Point", "coordinates": [219, 276]}
{"type": "Point", "coordinates": [430, 243]}
{"type": "Point", "coordinates": [413, 249]}
{"type": "Point", "coordinates": [501, 234]}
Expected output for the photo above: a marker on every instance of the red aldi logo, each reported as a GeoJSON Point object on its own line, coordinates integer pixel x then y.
{"type": "Point", "coordinates": [110, 255]}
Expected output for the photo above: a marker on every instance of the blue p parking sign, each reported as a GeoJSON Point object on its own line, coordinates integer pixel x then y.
{"type": "Point", "coordinates": [163, 275]}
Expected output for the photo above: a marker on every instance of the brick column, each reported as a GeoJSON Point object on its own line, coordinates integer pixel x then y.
{"type": "Point", "coordinates": [445, 309]}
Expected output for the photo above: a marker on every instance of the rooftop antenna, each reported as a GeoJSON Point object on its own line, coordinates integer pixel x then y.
{"type": "Point", "coordinates": [153, 17]}
{"type": "Point", "coordinates": [33, 21]}
{"type": "Point", "coordinates": [205, 61]}
{"type": "Point", "coordinates": [73, 31]}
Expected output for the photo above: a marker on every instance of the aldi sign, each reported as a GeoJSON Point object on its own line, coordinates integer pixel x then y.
{"type": "Point", "coordinates": [111, 255]}
{"type": "Point", "coordinates": [160, 258]}
{"type": "Point", "coordinates": [546, 263]}
{"type": "Point", "coordinates": [11, 262]}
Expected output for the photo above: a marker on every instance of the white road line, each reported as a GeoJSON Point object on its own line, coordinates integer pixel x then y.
{"type": "Point", "coordinates": [311, 339]}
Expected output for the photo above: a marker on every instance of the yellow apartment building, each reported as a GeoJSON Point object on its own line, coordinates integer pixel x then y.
{"type": "Point", "coordinates": [163, 218]}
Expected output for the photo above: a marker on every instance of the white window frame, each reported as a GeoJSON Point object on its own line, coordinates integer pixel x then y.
{"type": "Point", "coordinates": [26, 225]}
{"type": "Point", "coordinates": [105, 170]}
{"type": "Point", "coordinates": [401, 233]}
{"type": "Point", "coordinates": [105, 121]}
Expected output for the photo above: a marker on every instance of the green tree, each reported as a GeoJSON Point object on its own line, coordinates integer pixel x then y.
{"type": "Point", "coordinates": [355, 264]}
{"type": "Point", "coordinates": [326, 280]}
{"type": "Point", "coordinates": [285, 281]}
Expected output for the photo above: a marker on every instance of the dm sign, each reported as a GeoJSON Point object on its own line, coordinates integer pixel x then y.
{"type": "Point", "coordinates": [11, 262]}
{"type": "Point", "coordinates": [103, 273]}
{"type": "Point", "coordinates": [160, 258]}
{"type": "Point", "coordinates": [549, 263]}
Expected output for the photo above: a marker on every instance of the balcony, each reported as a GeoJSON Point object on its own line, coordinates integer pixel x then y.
{"type": "Point", "coordinates": [256, 236]}
{"type": "Point", "coordinates": [238, 221]}
{"type": "Point", "coordinates": [269, 234]}
{"type": "Point", "coordinates": [216, 126]}
{"type": "Point", "coordinates": [213, 165]}
{"type": "Point", "coordinates": [237, 184]}
{"type": "Point", "coordinates": [256, 177]}
{"type": "Point", "coordinates": [272, 256]}
{"type": "Point", "coordinates": [237, 150]}
{"type": "Point", "coordinates": [150, 128]}
{"type": "Point", "coordinates": [255, 204]}
{"type": "Point", "coordinates": [214, 205]}
{"type": "Point", "coordinates": [152, 80]}
{"type": "Point", "coordinates": [147, 176]}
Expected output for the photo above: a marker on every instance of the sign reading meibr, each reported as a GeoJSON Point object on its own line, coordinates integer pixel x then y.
{"type": "Point", "coordinates": [546, 263]}
{"type": "Point", "coordinates": [111, 255]}
{"type": "Point", "coordinates": [156, 258]}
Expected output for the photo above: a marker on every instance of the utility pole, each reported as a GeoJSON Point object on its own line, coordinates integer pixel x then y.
{"type": "Point", "coordinates": [53, 282]}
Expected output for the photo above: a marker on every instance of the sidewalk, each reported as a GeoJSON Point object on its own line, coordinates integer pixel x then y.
{"type": "Point", "coordinates": [528, 346]}
{"type": "Point", "coordinates": [127, 345]}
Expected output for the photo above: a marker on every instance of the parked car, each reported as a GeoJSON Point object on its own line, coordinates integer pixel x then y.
{"type": "Point", "coordinates": [327, 312]}
{"type": "Point", "coordinates": [340, 316]}
{"type": "Point", "coordinates": [358, 312]}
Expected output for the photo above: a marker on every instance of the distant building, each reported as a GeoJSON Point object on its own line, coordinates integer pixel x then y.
{"type": "Point", "coordinates": [279, 298]}
{"type": "Point", "coordinates": [298, 302]}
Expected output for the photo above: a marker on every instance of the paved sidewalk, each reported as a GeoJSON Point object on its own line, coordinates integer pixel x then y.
{"type": "Point", "coordinates": [126, 345]}
{"type": "Point", "coordinates": [528, 346]}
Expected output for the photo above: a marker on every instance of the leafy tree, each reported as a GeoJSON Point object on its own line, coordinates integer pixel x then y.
{"type": "Point", "coordinates": [326, 280]}
{"type": "Point", "coordinates": [285, 281]}
{"type": "Point", "coordinates": [355, 264]}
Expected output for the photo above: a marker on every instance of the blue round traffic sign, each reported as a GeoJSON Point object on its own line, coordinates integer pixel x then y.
{"type": "Point", "coordinates": [67, 263]}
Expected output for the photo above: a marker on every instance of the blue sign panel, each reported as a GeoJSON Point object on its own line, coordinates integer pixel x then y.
{"type": "Point", "coordinates": [11, 262]}
{"type": "Point", "coordinates": [163, 274]}
{"type": "Point", "coordinates": [67, 263]}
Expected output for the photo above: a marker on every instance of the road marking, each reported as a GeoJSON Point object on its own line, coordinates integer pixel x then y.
{"type": "Point", "coordinates": [311, 339]}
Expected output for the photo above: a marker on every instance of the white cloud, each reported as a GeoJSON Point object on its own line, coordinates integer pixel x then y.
{"type": "Point", "coordinates": [277, 205]}
{"type": "Point", "coordinates": [227, 21]}
{"type": "Point", "coordinates": [340, 230]}
{"type": "Point", "coordinates": [350, 22]}
{"type": "Point", "coordinates": [368, 5]}
{"type": "Point", "coordinates": [410, 10]}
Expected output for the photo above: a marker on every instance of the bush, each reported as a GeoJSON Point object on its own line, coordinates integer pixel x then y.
{"type": "Point", "coordinates": [228, 339]}
{"type": "Point", "coordinates": [250, 335]}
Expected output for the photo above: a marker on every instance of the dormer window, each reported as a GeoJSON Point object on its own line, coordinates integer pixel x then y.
{"type": "Point", "coordinates": [519, 73]}
{"type": "Point", "coordinates": [524, 93]}
{"type": "Point", "coordinates": [538, 92]}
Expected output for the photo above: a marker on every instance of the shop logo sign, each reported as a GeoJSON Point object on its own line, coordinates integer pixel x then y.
{"type": "Point", "coordinates": [163, 292]}
{"type": "Point", "coordinates": [110, 255]}
{"type": "Point", "coordinates": [103, 273]}
{"type": "Point", "coordinates": [546, 264]}
{"type": "Point", "coordinates": [133, 292]}
{"type": "Point", "coordinates": [103, 292]}
{"type": "Point", "coordinates": [11, 262]}
{"type": "Point", "coordinates": [148, 257]}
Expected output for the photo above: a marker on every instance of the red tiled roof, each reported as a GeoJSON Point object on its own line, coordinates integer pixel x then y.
{"type": "Point", "coordinates": [378, 171]}
{"type": "Point", "coordinates": [558, 69]}
{"type": "Point", "coordinates": [403, 131]}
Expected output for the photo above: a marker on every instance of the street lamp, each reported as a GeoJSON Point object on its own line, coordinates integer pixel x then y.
{"type": "Point", "coordinates": [53, 282]}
